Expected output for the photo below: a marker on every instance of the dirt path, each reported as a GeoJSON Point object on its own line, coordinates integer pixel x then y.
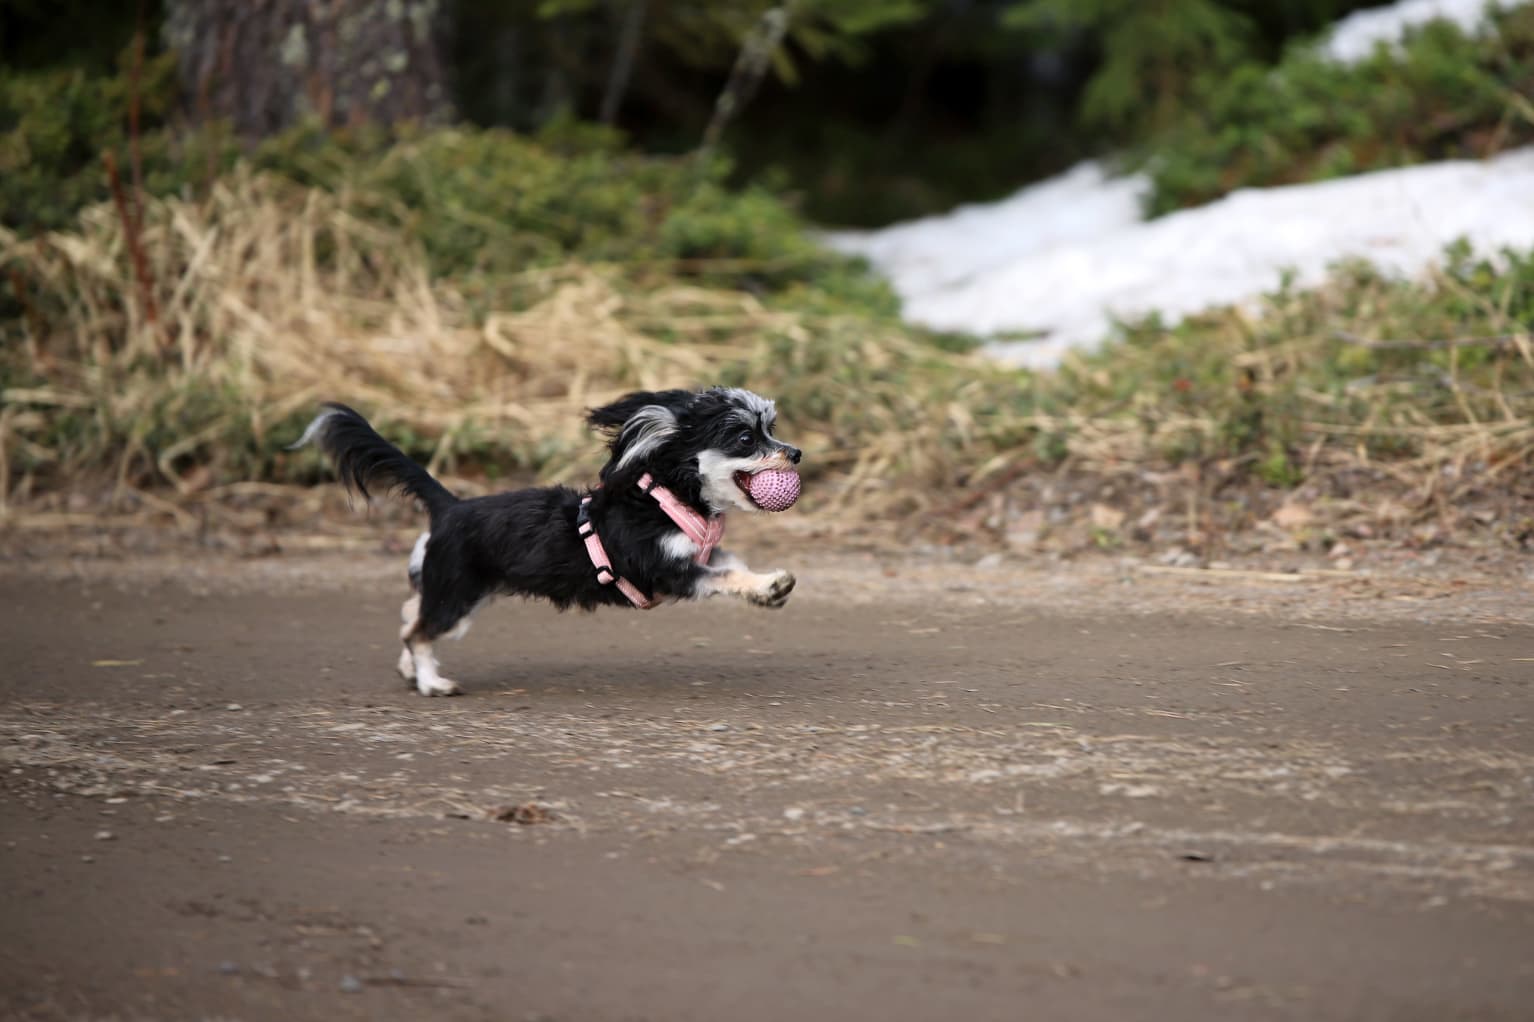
{"type": "Point", "coordinates": [918, 792]}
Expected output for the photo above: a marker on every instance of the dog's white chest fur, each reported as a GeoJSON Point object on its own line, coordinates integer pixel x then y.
{"type": "Point", "coordinates": [679, 546]}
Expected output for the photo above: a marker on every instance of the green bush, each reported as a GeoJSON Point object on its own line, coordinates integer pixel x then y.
{"type": "Point", "coordinates": [54, 126]}
{"type": "Point", "coordinates": [1442, 95]}
{"type": "Point", "coordinates": [485, 204]}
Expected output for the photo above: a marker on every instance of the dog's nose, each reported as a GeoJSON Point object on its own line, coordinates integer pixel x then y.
{"type": "Point", "coordinates": [794, 454]}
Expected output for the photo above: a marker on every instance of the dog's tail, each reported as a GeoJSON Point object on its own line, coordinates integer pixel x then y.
{"type": "Point", "coordinates": [364, 459]}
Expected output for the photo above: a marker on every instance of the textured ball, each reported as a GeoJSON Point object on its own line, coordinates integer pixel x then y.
{"type": "Point", "coordinates": [774, 489]}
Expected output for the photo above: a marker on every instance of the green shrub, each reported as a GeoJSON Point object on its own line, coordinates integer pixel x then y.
{"type": "Point", "coordinates": [485, 204]}
{"type": "Point", "coordinates": [54, 126]}
{"type": "Point", "coordinates": [1442, 95]}
{"type": "Point", "coordinates": [1371, 365]}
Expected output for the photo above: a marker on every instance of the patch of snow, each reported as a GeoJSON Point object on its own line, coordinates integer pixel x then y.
{"type": "Point", "coordinates": [1354, 37]}
{"type": "Point", "coordinates": [1065, 257]}
{"type": "Point", "coordinates": [931, 255]}
{"type": "Point", "coordinates": [1069, 289]}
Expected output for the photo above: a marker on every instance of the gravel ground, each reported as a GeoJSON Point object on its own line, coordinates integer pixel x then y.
{"type": "Point", "coordinates": [1091, 790]}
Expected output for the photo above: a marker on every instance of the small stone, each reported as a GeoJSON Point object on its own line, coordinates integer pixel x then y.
{"type": "Point", "coordinates": [234, 706]}
{"type": "Point", "coordinates": [105, 835]}
{"type": "Point", "coordinates": [1292, 516]}
{"type": "Point", "coordinates": [719, 727]}
{"type": "Point", "coordinates": [793, 814]}
{"type": "Point", "coordinates": [229, 968]}
{"type": "Point", "coordinates": [87, 858]}
{"type": "Point", "coordinates": [351, 985]}
{"type": "Point", "coordinates": [1106, 518]}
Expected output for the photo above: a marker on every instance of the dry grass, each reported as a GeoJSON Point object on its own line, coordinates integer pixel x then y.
{"type": "Point", "coordinates": [270, 297]}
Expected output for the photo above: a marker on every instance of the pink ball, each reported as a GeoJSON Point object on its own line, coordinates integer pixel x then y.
{"type": "Point", "coordinates": [774, 489]}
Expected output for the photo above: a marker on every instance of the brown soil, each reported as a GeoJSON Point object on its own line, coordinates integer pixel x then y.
{"type": "Point", "coordinates": [922, 790]}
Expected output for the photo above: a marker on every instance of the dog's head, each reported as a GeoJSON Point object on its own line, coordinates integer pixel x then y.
{"type": "Point", "coordinates": [704, 445]}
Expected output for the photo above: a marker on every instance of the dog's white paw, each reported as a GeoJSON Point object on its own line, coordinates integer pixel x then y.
{"type": "Point", "coordinates": [775, 593]}
{"type": "Point", "coordinates": [438, 686]}
{"type": "Point", "coordinates": [406, 665]}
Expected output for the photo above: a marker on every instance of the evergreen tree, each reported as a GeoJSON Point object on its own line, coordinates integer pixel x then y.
{"type": "Point", "coordinates": [1149, 52]}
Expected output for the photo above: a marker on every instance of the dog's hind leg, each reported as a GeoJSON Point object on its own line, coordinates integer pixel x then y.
{"type": "Point", "coordinates": [418, 561]}
{"type": "Point", "coordinates": [418, 663]}
{"type": "Point", "coordinates": [427, 681]}
{"type": "Point", "coordinates": [410, 613]}
{"type": "Point", "coordinates": [444, 605]}
{"type": "Point", "coordinates": [409, 616]}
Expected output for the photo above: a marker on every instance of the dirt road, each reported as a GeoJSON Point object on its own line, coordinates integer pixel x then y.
{"type": "Point", "coordinates": [913, 794]}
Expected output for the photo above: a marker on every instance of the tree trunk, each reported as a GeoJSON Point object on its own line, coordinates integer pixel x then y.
{"type": "Point", "coordinates": [623, 61]}
{"type": "Point", "coordinates": [266, 64]}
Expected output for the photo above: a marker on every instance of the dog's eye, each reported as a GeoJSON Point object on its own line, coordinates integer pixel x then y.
{"type": "Point", "coordinates": [746, 439]}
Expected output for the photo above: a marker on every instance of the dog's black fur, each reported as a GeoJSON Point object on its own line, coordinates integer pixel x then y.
{"type": "Point", "coordinates": [525, 542]}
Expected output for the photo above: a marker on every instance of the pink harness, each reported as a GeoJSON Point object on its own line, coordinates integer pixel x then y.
{"type": "Point", "coordinates": [704, 532]}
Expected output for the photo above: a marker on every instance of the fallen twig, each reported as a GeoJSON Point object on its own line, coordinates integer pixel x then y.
{"type": "Point", "coordinates": [135, 243]}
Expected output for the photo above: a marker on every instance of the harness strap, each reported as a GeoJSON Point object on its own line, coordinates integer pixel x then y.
{"type": "Point", "coordinates": [604, 565]}
{"type": "Point", "coordinates": [705, 533]}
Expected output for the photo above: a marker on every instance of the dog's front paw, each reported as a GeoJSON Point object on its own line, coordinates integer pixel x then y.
{"type": "Point", "coordinates": [775, 593]}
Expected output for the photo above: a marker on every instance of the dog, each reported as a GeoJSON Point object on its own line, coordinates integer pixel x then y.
{"type": "Point", "coordinates": [648, 533]}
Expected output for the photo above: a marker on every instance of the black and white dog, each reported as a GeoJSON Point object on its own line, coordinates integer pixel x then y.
{"type": "Point", "coordinates": [648, 534]}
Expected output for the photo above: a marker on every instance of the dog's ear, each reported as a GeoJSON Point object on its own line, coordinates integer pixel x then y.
{"type": "Point", "coordinates": [611, 418]}
{"type": "Point", "coordinates": [639, 424]}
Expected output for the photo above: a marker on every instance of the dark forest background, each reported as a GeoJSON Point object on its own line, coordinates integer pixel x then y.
{"type": "Point", "coordinates": [867, 110]}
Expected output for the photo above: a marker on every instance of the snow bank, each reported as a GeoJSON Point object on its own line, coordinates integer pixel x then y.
{"type": "Point", "coordinates": [1354, 37]}
{"type": "Point", "coordinates": [1063, 258]}
{"type": "Point", "coordinates": [931, 255]}
{"type": "Point", "coordinates": [1023, 266]}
